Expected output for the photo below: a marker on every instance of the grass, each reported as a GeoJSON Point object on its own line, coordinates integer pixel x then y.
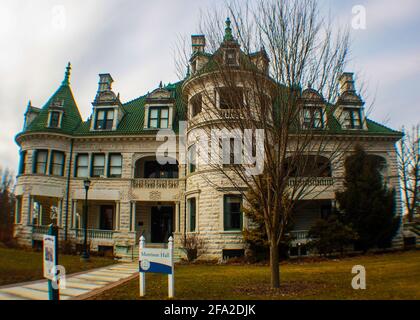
{"type": "Point", "coordinates": [388, 276]}
{"type": "Point", "coordinates": [24, 265]}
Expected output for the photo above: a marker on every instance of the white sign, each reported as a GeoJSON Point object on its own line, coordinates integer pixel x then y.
{"type": "Point", "coordinates": [49, 257]}
{"type": "Point", "coordinates": [155, 260]}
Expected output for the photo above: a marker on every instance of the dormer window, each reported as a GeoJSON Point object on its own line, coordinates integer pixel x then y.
{"type": "Point", "coordinates": [104, 119]}
{"type": "Point", "coordinates": [230, 57]}
{"type": "Point", "coordinates": [313, 118]}
{"type": "Point", "coordinates": [158, 118]}
{"type": "Point", "coordinates": [352, 118]}
{"type": "Point", "coordinates": [54, 119]}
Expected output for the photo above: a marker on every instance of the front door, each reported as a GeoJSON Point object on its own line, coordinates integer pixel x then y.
{"type": "Point", "coordinates": [106, 218]}
{"type": "Point", "coordinates": [162, 223]}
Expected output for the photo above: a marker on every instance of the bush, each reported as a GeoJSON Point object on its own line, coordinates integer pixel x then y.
{"type": "Point", "coordinates": [191, 245]}
{"type": "Point", "coordinates": [330, 235]}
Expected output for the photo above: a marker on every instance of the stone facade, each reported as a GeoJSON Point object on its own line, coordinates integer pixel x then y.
{"type": "Point", "coordinates": [141, 198]}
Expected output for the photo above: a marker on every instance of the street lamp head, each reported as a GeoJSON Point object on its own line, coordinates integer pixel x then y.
{"type": "Point", "coordinates": [86, 183]}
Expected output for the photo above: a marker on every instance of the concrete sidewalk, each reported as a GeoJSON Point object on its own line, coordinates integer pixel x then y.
{"type": "Point", "coordinates": [79, 286]}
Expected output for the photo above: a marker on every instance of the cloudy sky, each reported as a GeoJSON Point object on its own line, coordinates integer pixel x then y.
{"type": "Point", "coordinates": [134, 40]}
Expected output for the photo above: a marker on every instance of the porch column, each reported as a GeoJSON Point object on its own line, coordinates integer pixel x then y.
{"type": "Point", "coordinates": [60, 213]}
{"type": "Point", "coordinates": [133, 216]}
{"type": "Point", "coordinates": [177, 217]}
{"type": "Point", "coordinates": [117, 215]}
{"type": "Point", "coordinates": [73, 214]}
{"type": "Point", "coordinates": [30, 209]}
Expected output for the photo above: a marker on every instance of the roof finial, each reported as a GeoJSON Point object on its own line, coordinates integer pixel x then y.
{"type": "Point", "coordinates": [228, 31]}
{"type": "Point", "coordinates": [160, 85]}
{"type": "Point", "coordinates": [188, 71]}
{"type": "Point", "coordinates": [66, 80]}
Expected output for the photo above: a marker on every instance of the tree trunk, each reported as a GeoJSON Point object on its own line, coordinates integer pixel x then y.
{"type": "Point", "coordinates": [274, 264]}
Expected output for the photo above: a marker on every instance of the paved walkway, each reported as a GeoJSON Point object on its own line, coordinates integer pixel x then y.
{"type": "Point", "coordinates": [78, 286]}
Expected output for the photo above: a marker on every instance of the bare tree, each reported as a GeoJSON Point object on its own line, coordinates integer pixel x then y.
{"type": "Point", "coordinates": [252, 83]}
{"type": "Point", "coordinates": [408, 153]}
{"type": "Point", "coordinates": [6, 205]}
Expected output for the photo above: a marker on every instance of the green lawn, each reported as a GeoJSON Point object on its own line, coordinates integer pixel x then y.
{"type": "Point", "coordinates": [20, 265]}
{"type": "Point", "coordinates": [388, 276]}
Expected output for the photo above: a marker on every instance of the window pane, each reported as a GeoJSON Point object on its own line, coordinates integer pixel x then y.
{"type": "Point", "coordinates": [101, 115]}
{"type": "Point", "coordinates": [82, 160]}
{"type": "Point", "coordinates": [116, 160]}
{"type": "Point", "coordinates": [164, 123]}
{"type": "Point", "coordinates": [153, 123]}
{"type": "Point", "coordinates": [192, 214]}
{"type": "Point", "coordinates": [153, 113]}
{"type": "Point", "coordinates": [98, 160]}
{"type": "Point", "coordinates": [232, 212]}
{"type": "Point", "coordinates": [110, 115]}
{"type": "Point", "coordinates": [82, 172]}
{"type": "Point", "coordinates": [164, 113]}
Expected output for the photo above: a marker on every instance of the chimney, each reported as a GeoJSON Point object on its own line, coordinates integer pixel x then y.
{"type": "Point", "coordinates": [198, 42]}
{"type": "Point", "coordinates": [105, 82]}
{"type": "Point", "coordinates": [346, 82]}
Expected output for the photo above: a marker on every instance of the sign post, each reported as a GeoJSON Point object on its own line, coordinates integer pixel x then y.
{"type": "Point", "coordinates": [142, 275]}
{"type": "Point", "coordinates": [156, 260]}
{"type": "Point", "coordinates": [171, 282]}
{"type": "Point", "coordinates": [50, 257]}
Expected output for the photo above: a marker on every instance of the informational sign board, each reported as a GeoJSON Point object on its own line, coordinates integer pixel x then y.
{"type": "Point", "coordinates": [155, 260]}
{"type": "Point", "coordinates": [49, 256]}
{"type": "Point", "coordinates": [158, 261]}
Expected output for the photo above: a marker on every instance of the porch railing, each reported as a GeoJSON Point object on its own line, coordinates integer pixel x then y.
{"type": "Point", "coordinates": [40, 229]}
{"type": "Point", "coordinates": [155, 183]}
{"type": "Point", "coordinates": [300, 234]}
{"type": "Point", "coordinates": [311, 181]}
{"type": "Point", "coordinates": [94, 234]}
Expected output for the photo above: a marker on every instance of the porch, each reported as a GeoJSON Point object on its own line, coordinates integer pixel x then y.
{"type": "Point", "coordinates": [305, 215]}
{"type": "Point", "coordinates": [155, 220]}
{"type": "Point", "coordinates": [44, 211]}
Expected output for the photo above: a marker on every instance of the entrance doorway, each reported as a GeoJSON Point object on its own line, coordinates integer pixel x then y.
{"type": "Point", "coordinates": [162, 223]}
{"type": "Point", "coordinates": [106, 218]}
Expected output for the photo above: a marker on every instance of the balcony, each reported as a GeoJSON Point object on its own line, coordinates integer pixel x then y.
{"type": "Point", "coordinates": [155, 183]}
{"type": "Point", "coordinates": [311, 181]}
{"type": "Point", "coordinates": [299, 235]}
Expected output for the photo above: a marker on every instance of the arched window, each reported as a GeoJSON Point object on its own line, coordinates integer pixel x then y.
{"type": "Point", "coordinates": [150, 168]}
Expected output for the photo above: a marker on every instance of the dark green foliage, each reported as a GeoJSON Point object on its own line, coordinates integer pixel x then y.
{"type": "Point", "coordinates": [366, 203]}
{"type": "Point", "coordinates": [331, 235]}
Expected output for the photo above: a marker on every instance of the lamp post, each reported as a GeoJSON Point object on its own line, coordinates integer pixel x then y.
{"type": "Point", "coordinates": [85, 253]}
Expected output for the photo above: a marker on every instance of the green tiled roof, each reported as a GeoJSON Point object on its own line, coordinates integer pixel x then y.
{"type": "Point", "coordinates": [71, 116]}
{"type": "Point", "coordinates": [132, 122]}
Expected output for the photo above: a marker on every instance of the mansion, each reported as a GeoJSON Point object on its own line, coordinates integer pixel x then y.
{"type": "Point", "coordinates": [131, 194]}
